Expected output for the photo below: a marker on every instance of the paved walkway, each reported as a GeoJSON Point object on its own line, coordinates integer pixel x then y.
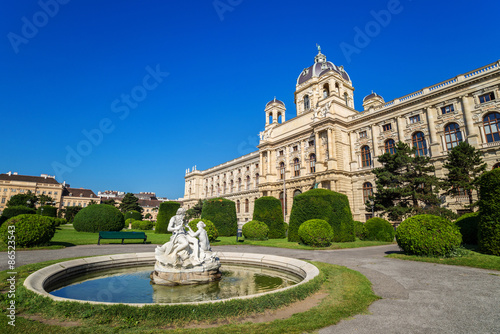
{"type": "Point", "coordinates": [417, 297]}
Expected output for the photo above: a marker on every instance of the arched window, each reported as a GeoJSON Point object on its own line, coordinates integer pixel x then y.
{"type": "Point", "coordinates": [296, 167]}
{"type": "Point", "coordinates": [270, 118]}
{"type": "Point", "coordinates": [346, 98]}
{"type": "Point", "coordinates": [238, 206]}
{"type": "Point", "coordinates": [257, 179]}
{"type": "Point", "coordinates": [312, 163]}
{"type": "Point", "coordinates": [231, 186]}
{"type": "Point", "coordinates": [218, 189]}
{"type": "Point", "coordinates": [326, 90]}
{"type": "Point", "coordinates": [297, 192]}
{"type": "Point", "coordinates": [247, 205]}
{"type": "Point", "coordinates": [452, 135]}
{"type": "Point", "coordinates": [282, 170]}
{"type": "Point", "coordinates": [390, 146]}
{"type": "Point", "coordinates": [307, 103]}
{"type": "Point", "coordinates": [497, 165]}
{"type": "Point", "coordinates": [367, 191]}
{"type": "Point", "coordinates": [239, 184]}
{"type": "Point", "coordinates": [337, 88]}
{"type": "Point", "coordinates": [225, 188]}
{"type": "Point", "coordinates": [206, 191]}
{"type": "Point", "coordinates": [419, 143]}
{"type": "Point", "coordinates": [366, 157]}
{"type": "Point", "coordinates": [212, 190]}
{"type": "Point", "coordinates": [491, 123]}
{"type": "Point", "coordinates": [280, 118]}
{"type": "Point", "coordinates": [248, 182]}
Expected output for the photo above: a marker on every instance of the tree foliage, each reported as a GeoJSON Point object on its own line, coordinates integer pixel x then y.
{"type": "Point", "coordinates": [403, 183]}
{"type": "Point", "coordinates": [195, 211]}
{"type": "Point", "coordinates": [130, 203]}
{"type": "Point", "coordinates": [489, 209]}
{"type": "Point", "coordinates": [70, 213]}
{"type": "Point", "coordinates": [109, 202]}
{"type": "Point", "coordinates": [464, 164]}
{"type": "Point", "coordinates": [28, 200]}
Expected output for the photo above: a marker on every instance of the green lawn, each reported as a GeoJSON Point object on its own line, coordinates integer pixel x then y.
{"type": "Point", "coordinates": [66, 236]}
{"type": "Point", "coordinates": [469, 259]}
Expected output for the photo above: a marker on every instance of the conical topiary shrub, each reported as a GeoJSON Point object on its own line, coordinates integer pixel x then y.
{"type": "Point", "coordinates": [167, 210]}
{"type": "Point", "coordinates": [268, 210]}
{"type": "Point", "coordinates": [221, 212]}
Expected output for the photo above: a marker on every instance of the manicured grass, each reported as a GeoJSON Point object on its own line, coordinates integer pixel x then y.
{"type": "Point", "coordinates": [470, 259]}
{"type": "Point", "coordinates": [66, 236]}
{"type": "Point", "coordinates": [348, 293]}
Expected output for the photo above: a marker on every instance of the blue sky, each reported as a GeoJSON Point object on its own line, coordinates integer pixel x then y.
{"type": "Point", "coordinates": [125, 95]}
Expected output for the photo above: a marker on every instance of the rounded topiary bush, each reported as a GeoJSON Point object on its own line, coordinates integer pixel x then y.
{"type": "Point", "coordinates": [133, 214]}
{"type": "Point", "coordinates": [146, 225]}
{"type": "Point", "coordinates": [30, 230]}
{"type": "Point", "coordinates": [47, 210]}
{"type": "Point", "coordinates": [99, 217]}
{"type": "Point", "coordinates": [379, 229]}
{"type": "Point", "coordinates": [359, 229]}
{"type": "Point", "coordinates": [221, 212]}
{"type": "Point", "coordinates": [316, 233]}
{"type": "Point", "coordinates": [167, 210]}
{"type": "Point", "coordinates": [212, 232]}
{"type": "Point", "coordinates": [489, 209]}
{"type": "Point", "coordinates": [428, 235]}
{"type": "Point", "coordinates": [16, 210]}
{"type": "Point", "coordinates": [322, 204]}
{"type": "Point", "coordinates": [134, 224]}
{"type": "Point", "coordinates": [255, 230]}
{"type": "Point", "coordinates": [468, 225]}
{"type": "Point", "coordinates": [268, 210]}
{"type": "Point", "coordinates": [59, 221]}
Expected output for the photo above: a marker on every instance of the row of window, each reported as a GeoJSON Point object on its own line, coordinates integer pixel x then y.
{"type": "Point", "coordinates": [231, 173]}
{"type": "Point", "coordinates": [22, 191]}
{"type": "Point", "coordinates": [231, 185]}
{"type": "Point", "coordinates": [452, 137]}
{"type": "Point", "coordinates": [296, 166]}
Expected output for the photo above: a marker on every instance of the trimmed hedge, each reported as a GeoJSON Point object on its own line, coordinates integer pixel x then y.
{"type": "Point", "coordinates": [31, 230]}
{"type": "Point", "coordinates": [212, 232]}
{"type": "Point", "coordinates": [167, 210]}
{"type": "Point", "coordinates": [379, 229]}
{"type": "Point", "coordinates": [13, 211]}
{"type": "Point", "coordinates": [222, 212]}
{"type": "Point", "coordinates": [59, 221]}
{"type": "Point", "coordinates": [489, 213]}
{"type": "Point", "coordinates": [268, 210]}
{"type": "Point", "coordinates": [326, 205]}
{"type": "Point", "coordinates": [468, 225]}
{"type": "Point", "coordinates": [133, 214]}
{"type": "Point", "coordinates": [99, 217]}
{"type": "Point", "coordinates": [143, 225]}
{"type": "Point", "coordinates": [428, 235]}
{"type": "Point", "coordinates": [48, 210]}
{"type": "Point", "coordinates": [255, 230]}
{"type": "Point", "coordinates": [359, 229]}
{"type": "Point", "coordinates": [316, 233]}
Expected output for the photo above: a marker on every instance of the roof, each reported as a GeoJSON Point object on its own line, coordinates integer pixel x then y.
{"type": "Point", "coordinates": [79, 192]}
{"type": "Point", "coordinates": [275, 101]}
{"type": "Point", "coordinates": [371, 96]}
{"type": "Point", "coordinates": [149, 203]}
{"type": "Point", "coordinates": [27, 178]}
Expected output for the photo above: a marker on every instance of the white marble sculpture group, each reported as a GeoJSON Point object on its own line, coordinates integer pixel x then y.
{"type": "Point", "coordinates": [187, 257]}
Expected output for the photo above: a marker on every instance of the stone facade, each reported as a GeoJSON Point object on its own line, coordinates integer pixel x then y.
{"type": "Point", "coordinates": [332, 145]}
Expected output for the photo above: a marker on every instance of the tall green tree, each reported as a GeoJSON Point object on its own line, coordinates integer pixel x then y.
{"type": "Point", "coordinates": [403, 183]}
{"type": "Point", "coordinates": [195, 211]}
{"type": "Point", "coordinates": [29, 200]}
{"type": "Point", "coordinates": [465, 165]}
{"type": "Point", "coordinates": [130, 203]}
{"type": "Point", "coordinates": [44, 199]}
{"type": "Point", "coordinates": [109, 202]}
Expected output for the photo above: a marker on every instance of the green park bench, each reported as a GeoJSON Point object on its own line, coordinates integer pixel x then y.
{"type": "Point", "coordinates": [121, 235]}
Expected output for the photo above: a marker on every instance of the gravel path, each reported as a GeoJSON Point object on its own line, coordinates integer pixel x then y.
{"type": "Point", "coordinates": [417, 297]}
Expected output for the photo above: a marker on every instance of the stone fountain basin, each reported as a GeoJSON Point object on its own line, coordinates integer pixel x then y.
{"type": "Point", "coordinates": [45, 278]}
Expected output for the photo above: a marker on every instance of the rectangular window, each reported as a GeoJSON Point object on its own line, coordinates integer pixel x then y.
{"type": "Point", "coordinates": [447, 109]}
{"type": "Point", "coordinates": [486, 97]}
{"type": "Point", "coordinates": [21, 190]}
{"type": "Point", "coordinates": [368, 216]}
{"type": "Point", "coordinates": [4, 189]}
{"type": "Point", "coordinates": [415, 119]}
{"type": "Point", "coordinates": [362, 134]}
{"type": "Point", "coordinates": [256, 165]}
{"type": "Point", "coordinates": [311, 143]}
{"type": "Point", "coordinates": [281, 153]}
{"type": "Point", "coordinates": [387, 127]}
{"type": "Point", "coordinates": [3, 200]}
{"type": "Point", "coordinates": [295, 148]}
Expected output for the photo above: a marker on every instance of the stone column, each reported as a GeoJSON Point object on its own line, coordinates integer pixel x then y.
{"type": "Point", "coordinates": [332, 151]}
{"type": "Point", "coordinates": [303, 164]}
{"type": "Point", "coordinates": [353, 162]}
{"type": "Point", "coordinates": [467, 109]}
{"type": "Point", "coordinates": [431, 114]}
{"type": "Point", "coordinates": [400, 124]}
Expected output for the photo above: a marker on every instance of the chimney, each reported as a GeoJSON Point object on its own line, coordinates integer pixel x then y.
{"type": "Point", "coordinates": [15, 173]}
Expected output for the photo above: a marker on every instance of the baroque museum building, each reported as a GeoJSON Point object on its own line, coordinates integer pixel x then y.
{"type": "Point", "coordinates": [331, 145]}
